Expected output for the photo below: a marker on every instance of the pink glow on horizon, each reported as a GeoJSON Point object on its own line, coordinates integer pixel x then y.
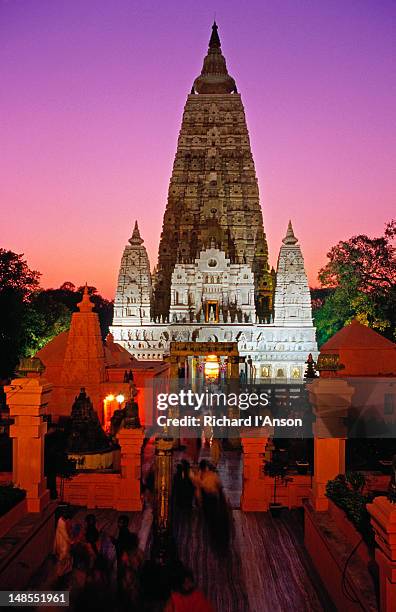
{"type": "Point", "coordinates": [91, 103]}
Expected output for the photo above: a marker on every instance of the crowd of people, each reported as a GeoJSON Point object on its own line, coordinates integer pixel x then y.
{"type": "Point", "coordinates": [88, 558]}
{"type": "Point", "coordinates": [110, 573]}
{"type": "Point", "coordinates": [102, 571]}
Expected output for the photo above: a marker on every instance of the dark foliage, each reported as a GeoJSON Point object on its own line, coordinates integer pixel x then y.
{"type": "Point", "coordinates": [346, 492]}
{"type": "Point", "coordinates": [17, 285]}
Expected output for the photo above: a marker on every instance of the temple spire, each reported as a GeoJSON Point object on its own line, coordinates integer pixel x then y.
{"type": "Point", "coordinates": [136, 237]}
{"type": "Point", "coordinates": [133, 296]}
{"type": "Point", "coordinates": [290, 237]}
{"type": "Point", "coordinates": [84, 361]}
{"type": "Point", "coordinates": [214, 39]}
{"type": "Point", "coordinates": [292, 299]}
{"type": "Point", "coordinates": [214, 77]}
{"type": "Point", "coordinates": [85, 305]}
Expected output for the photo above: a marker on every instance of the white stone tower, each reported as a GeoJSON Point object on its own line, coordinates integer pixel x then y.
{"type": "Point", "coordinates": [292, 303]}
{"type": "Point", "coordinates": [133, 297]}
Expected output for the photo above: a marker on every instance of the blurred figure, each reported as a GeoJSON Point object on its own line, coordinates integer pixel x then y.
{"type": "Point", "coordinates": [121, 544]}
{"type": "Point", "coordinates": [123, 537]}
{"type": "Point", "coordinates": [108, 553]}
{"type": "Point", "coordinates": [183, 488]}
{"type": "Point", "coordinates": [210, 485]}
{"type": "Point", "coordinates": [215, 508]}
{"type": "Point", "coordinates": [185, 596]}
{"type": "Point", "coordinates": [148, 488]}
{"type": "Point", "coordinates": [81, 566]}
{"type": "Point", "coordinates": [99, 575]}
{"type": "Point", "coordinates": [215, 451]}
{"type": "Point", "coordinates": [77, 533]}
{"type": "Point", "coordinates": [91, 536]}
{"type": "Point", "coordinates": [193, 448]}
{"type": "Point", "coordinates": [62, 547]}
{"type": "Point", "coordinates": [130, 563]}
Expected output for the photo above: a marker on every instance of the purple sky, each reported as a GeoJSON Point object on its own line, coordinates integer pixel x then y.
{"type": "Point", "coordinates": [91, 100]}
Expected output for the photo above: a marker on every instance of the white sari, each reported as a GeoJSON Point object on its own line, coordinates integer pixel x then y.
{"type": "Point", "coordinates": [62, 547]}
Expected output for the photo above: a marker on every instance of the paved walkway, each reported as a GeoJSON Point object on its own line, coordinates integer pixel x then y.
{"type": "Point", "coordinates": [266, 570]}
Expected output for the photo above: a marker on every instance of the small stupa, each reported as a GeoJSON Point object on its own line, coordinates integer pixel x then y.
{"type": "Point", "coordinates": [86, 434]}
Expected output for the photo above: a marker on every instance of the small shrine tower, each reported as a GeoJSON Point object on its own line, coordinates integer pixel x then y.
{"type": "Point", "coordinates": [292, 296]}
{"type": "Point", "coordinates": [133, 297]}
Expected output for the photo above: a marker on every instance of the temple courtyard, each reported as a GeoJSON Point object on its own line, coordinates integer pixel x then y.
{"type": "Point", "coordinates": [265, 569]}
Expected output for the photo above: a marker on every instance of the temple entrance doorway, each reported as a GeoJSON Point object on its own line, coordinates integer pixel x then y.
{"type": "Point", "coordinates": [204, 361]}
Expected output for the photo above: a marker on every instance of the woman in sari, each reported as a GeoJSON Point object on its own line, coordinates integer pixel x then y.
{"type": "Point", "coordinates": [62, 547]}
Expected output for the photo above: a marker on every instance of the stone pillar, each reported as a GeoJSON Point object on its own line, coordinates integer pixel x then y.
{"type": "Point", "coordinates": [129, 497]}
{"type": "Point", "coordinates": [162, 545]}
{"type": "Point", "coordinates": [252, 499]}
{"type": "Point", "coordinates": [383, 520]}
{"type": "Point", "coordinates": [234, 360]}
{"type": "Point", "coordinates": [330, 399]}
{"type": "Point", "coordinates": [27, 399]}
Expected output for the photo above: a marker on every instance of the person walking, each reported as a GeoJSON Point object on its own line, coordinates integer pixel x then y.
{"type": "Point", "coordinates": [91, 537]}
{"type": "Point", "coordinates": [130, 564]}
{"type": "Point", "coordinates": [214, 505]}
{"type": "Point", "coordinates": [62, 547]}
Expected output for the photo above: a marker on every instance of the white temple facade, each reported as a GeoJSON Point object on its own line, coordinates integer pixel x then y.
{"type": "Point", "coordinates": [213, 300]}
{"type": "Point", "coordinates": [212, 290]}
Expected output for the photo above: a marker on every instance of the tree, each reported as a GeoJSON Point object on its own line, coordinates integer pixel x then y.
{"type": "Point", "coordinates": [15, 274]}
{"type": "Point", "coordinates": [49, 317]}
{"type": "Point", "coordinates": [361, 273]}
{"type": "Point", "coordinates": [17, 285]}
{"type": "Point", "coordinates": [319, 296]}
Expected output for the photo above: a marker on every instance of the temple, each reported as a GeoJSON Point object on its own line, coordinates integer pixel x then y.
{"type": "Point", "coordinates": [267, 517]}
{"type": "Point", "coordinates": [213, 282]}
